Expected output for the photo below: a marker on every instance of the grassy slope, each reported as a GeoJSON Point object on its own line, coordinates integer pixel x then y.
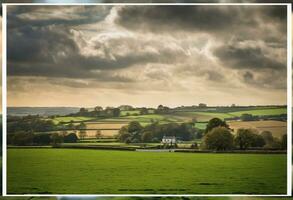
{"type": "Point", "coordinates": [69, 119]}
{"type": "Point", "coordinates": [274, 111]}
{"type": "Point", "coordinates": [70, 171]}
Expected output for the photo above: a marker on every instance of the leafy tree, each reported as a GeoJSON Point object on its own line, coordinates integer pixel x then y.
{"type": "Point", "coordinates": [162, 109]}
{"type": "Point", "coordinates": [155, 140]}
{"type": "Point", "coordinates": [56, 139]}
{"type": "Point", "coordinates": [42, 139]}
{"type": "Point", "coordinates": [134, 127]}
{"type": "Point", "coordinates": [268, 137]}
{"type": "Point", "coordinates": [82, 134]}
{"type": "Point", "coordinates": [83, 110]}
{"type": "Point", "coordinates": [82, 125]}
{"type": "Point", "coordinates": [143, 111]}
{"type": "Point", "coordinates": [124, 134]}
{"type": "Point", "coordinates": [98, 134]}
{"type": "Point", "coordinates": [22, 138]}
{"type": "Point", "coordinates": [215, 122]}
{"type": "Point", "coordinates": [202, 105]}
{"type": "Point", "coordinates": [199, 133]}
{"type": "Point", "coordinates": [70, 138]}
{"type": "Point", "coordinates": [98, 108]}
{"type": "Point", "coordinates": [219, 138]}
{"type": "Point", "coordinates": [186, 131]}
{"type": "Point", "coordinates": [71, 126]}
{"type": "Point", "coordinates": [258, 141]}
{"type": "Point", "coordinates": [147, 136]}
{"type": "Point", "coordinates": [284, 141]}
{"type": "Point", "coordinates": [125, 137]}
{"type": "Point", "coordinates": [244, 138]}
{"type": "Point", "coordinates": [116, 112]}
{"type": "Point", "coordinates": [246, 117]}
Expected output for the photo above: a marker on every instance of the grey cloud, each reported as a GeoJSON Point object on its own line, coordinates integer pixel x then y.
{"type": "Point", "coordinates": [51, 52]}
{"type": "Point", "coordinates": [247, 58]}
{"type": "Point", "coordinates": [259, 65]}
{"type": "Point", "coordinates": [200, 18]}
{"type": "Point", "coordinates": [157, 18]}
{"type": "Point", "coordinates": [71, 15]}
{"type": "Point", "coordinates": [266, 79]}
{"type": "Point", "coordinates": [44, 47]}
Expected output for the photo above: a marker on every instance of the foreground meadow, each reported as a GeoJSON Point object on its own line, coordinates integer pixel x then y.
{"type": "Point", "coordinates": [68, 171]}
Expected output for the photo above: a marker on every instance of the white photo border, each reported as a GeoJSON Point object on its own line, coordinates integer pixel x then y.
{"type": "Point", "coordinates": [289, 103]}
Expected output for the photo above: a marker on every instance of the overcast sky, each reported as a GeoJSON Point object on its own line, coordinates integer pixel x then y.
{"type": "Point", "coordinates": [146, 55]}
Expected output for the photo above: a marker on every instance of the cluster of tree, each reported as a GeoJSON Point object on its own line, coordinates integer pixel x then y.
{"type": "Point", "coordinates": [134, 132]}
{"type": "Point", "coordinates": [29, 124]}
{"type": "Point", "coordinates": [162, 110]}
{"type": "Point", "coordinates": [250, 117]}
{"type": "Point", "coordinates": [219, 137]}
{"type": "Point", "coordinates": [23, 138]}
{"type": "Point", "coordinates": [71, 126]}
{"type": "Point", "coordinates": [98, 112]}
{"type": "Point", "coordinates": [39, 124]}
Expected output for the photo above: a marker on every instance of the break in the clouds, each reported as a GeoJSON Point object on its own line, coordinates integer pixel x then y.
{"type": "Point", "coordinates": [146, 55]}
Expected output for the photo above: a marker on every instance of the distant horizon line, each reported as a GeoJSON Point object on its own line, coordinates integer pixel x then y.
{"type": "Point", "coordinates": [263, 105]}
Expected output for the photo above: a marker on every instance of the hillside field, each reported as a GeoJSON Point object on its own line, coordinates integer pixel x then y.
{"type": "Point", "coordinates": [110, 126]}
{"type": "Point", "coordinates": [277, 128]}
{"type": "Point", "coordinates": [72, 171]}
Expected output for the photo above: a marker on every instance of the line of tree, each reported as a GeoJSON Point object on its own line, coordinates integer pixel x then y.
{"type": "Point", "coordinates": [218, 136]}
{"type": "Point", "coordinates": [23, 138]}
{"type": "Point", "coordinates": [39, 124]}
{"type": "Point", "coordinates": [250, 117]}
{"type": "Point", "coordinates": [134, 132]}
{"type": "Point", "coordinates": [98, 112]}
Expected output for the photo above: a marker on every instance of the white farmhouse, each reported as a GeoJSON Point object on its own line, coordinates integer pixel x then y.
{"type": "Point", "coordinates": [169, 140]}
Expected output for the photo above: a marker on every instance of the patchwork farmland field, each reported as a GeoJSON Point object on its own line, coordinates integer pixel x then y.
{"type": "Point", "coordinates": [277, 128]}
{"type": "Point", "coordinates": [272, 111]}
{"type": "Point", "coordinates": [99, 125]}
{"type": "Point", "coordinates": [116, 172]}
{"type": "Point", "coordinates": [57, 120]}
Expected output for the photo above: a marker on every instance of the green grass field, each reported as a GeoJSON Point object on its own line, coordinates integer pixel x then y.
{"type": "Point", "coordinates": [273, 111]}
{"type": "Point", "coordinates": [129, 112]}
{"type": "Point", "coordinates": [73, 171]}
{"type": "Point", "coordinates": [57, 120]}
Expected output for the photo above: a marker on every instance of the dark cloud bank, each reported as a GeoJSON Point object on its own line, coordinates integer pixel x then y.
{"type": "Point", "coordinates": [126, 45]}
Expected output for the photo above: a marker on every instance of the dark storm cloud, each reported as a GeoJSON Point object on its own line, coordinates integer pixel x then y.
{"type": "Point", "coordinates": [264, 79]}
{"type": "Point", "coordinates": [156, 18]}
{"type": "Point", "coordinates": [49, 41]}
{"type": "Point", "coordinates": [247, 58]}
{"type": "Point", "coordinates": [200, 18]}
{"type": "Point", "coordinates": [52, 52]}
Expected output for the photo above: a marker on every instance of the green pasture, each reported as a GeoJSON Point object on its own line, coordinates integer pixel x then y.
{"type": "Point", "coordinates": [57, 120]}
{"type": "Point", "coordinates": [177, 117]}
{"type": "Point", "coordinates": [273, 111]}
{"type": "Point", "coordinates": [201, 125]}
{"type": "Point", "coordinates": [76, 171]}
{"type": "Point", "coordinates": [202, 116]}
{"type": "Point", "coordinates": [129, 112]}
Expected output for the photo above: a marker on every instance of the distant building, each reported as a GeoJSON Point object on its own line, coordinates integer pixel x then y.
{"type": "Point", "coordinates": [169, 140]}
